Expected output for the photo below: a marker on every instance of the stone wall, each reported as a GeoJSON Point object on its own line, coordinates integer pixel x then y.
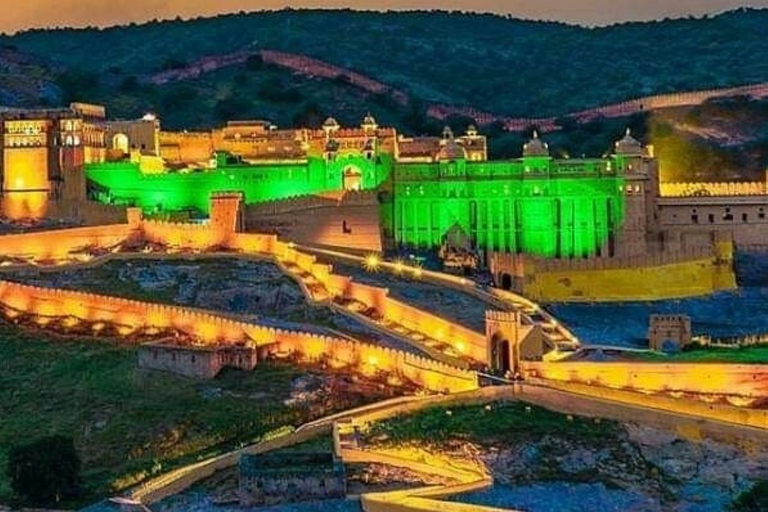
{"type": "Point", "coordinates": [214, 329]}
{"type": "Point", "coordinates": [698, 270]}
{"type": "Point", "coordinates": [58, 244]}
{"type": "Point", "coordinates": [689, 222]}
{"type": "Point", "coordinates": [351, 221]}
{"type": "Point", "coordinates": [204, 362]}
{"type": "Point", "coordinates": [748, 381]}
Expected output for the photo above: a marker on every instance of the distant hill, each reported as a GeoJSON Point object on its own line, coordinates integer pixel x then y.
{"type": "Point", "coordinates": [296, 67]}
{"type": "Point", "coordinates": [509, 66]}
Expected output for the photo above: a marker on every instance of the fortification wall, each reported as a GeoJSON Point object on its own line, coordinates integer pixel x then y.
{"type": "Point", "coordinates": [190, 236]}
{"type": "Point", "coordinates": [624, 108]}
{"type": "Point", "coordinates": [729, 188]}
{"type": "Point", "coordinates": [219, 330]}
{"type": "Point", "coordinates": [57, 244]}
{"type": "Point", "coordinates": [673, 274]}
{"type": "Point", "coordinates": [748, 381]}
{"type": "Point", "coordinates": [352, 222]}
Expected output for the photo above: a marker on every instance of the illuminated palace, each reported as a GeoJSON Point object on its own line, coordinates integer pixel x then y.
{"type": "Point", "coordinates": [369, 188]}
{"type": "Point", "coordinates": [426, 186]}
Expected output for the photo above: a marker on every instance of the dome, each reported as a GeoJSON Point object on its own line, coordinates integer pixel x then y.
{"type": "Point", "coordinates": [535, 146]}
{"type": "Point", "coordinates": [629, 145]}
{"type": "Point", "coordinates": [331, 124]}
{"type": "Point", "coordinates": [369, 122]}
{"type": "Point", "coordinates": [451, 150]}
{"type": "Point", "coordinates": [471, 130]}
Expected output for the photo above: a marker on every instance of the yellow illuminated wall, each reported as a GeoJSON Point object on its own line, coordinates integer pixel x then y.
{"type": "Point", "coordinates": [25, 169]}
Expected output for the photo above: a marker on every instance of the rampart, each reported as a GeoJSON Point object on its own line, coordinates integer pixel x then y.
{"type": "Point", "coordinates": [351, 221]}
{"type": "Point", "coordinates": [737, 381]}
{"type": "Point", "coordinates": [58, 244]}
{"type": "Point", "coordinates": [663, 275]}
{"type": "Point", "coordinates": [621, 109]}
{"type": "Point", "coordinates": [715, 189]}
{"type": "Point", "coordinates": [210, 328]}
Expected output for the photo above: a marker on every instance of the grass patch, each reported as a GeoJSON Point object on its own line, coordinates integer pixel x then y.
{"type": "Point", "coordinates": [751, 355]}
{"type": "Point", "coordinates": [498, 423]}
{"type": "Point", "coordinates": [129, 423]}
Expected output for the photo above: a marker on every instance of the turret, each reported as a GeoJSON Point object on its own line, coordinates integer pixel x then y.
{"type": "Point", "coordinates": [535, 147]}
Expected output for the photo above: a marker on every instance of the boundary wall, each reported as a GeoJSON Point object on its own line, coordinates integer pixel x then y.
{"type": "Point", "coordinates": [718, 189]}
{"type": "Point", "coordinates": [738, 382]}
{"type": "Point", "coordinates": [677, 274]}
{"type": "Point", "coordinates": [214, 329]}
{"type": "Point", "coordinates": [696, 422]}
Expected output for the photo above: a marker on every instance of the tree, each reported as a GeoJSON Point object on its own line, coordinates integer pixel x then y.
{"type": "Point", "coordinates": [45, 472]}
{"type": "Point", "coordinates": [753, 500]}
{"type": "Point", "coordinates": [254, 62]}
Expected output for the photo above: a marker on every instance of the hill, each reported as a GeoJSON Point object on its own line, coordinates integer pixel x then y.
{"type": "Point", "coordinates": [509, 66]}
{"type": "Point", "coordinates": [418, 71]}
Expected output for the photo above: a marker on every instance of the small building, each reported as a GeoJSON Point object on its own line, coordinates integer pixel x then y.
{"type": "Point", "coordinates": [202, 362]}
{"type": "Point", "coordinates": [271, 478]}
{"type": "Point", "coordinates": [669, 333]}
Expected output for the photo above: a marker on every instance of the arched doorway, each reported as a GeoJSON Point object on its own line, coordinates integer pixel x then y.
{"type": "Point", "coordinates": [506, 282]}
{"type": "Point", "coordinates": [353, 177]}
{"type": "Point", "coordinates": [500, 354]}
{"type": "Point", "coordinates": [120, 142]}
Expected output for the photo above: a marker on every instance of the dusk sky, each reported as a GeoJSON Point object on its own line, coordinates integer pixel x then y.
{"type": "Point", "coordinates": [23, 14]}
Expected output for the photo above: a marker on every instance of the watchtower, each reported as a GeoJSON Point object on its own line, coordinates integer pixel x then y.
{"type": "Point", "coordinates": [227, 212]}
{"type": "Point", "coordinates": [669, 333]}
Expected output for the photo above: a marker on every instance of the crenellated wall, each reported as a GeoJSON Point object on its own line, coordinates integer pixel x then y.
{"type": "Point", "coordinates": [738, 380]}
{"type": "Point", "coordinates": [58, 244]}
{"type": "Point", "coordinates": [214, 329]}
{"type": "Point", "coordinates": [673, 274]}
{"type": "Point", "coordinates": [728, 188]}
{"type": "Point", "coordinates": [351, 220]}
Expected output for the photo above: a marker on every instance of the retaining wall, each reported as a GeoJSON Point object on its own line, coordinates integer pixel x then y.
{"type": "Point", "coordinates": [738, 380]}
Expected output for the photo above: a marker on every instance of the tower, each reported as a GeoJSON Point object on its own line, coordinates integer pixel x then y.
{"type": "Point", "coordinates": [638, 183]}
{"type": "Point", "coordinates": [26, 167]}
{"type": "Point", "coordinates": [227, 212]}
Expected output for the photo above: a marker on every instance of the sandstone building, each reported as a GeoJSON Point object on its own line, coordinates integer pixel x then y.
{"type": "Point", "coordinates": [369, 188]}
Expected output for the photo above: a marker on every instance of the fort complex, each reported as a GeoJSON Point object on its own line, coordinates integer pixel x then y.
{"type": "Point", "coordinates": [572, 229]}
{"type": "Point", "coordinates": [368, 188]}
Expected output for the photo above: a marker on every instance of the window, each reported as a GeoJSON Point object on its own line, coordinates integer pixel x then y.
{"type": "Point", "coordinates": [744, 217]}
{"type": "Point", "coordinates": [711, 218]}
{"type": "Point", "coordinates": [695, 218]}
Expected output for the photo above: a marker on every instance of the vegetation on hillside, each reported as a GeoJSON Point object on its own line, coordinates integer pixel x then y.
{"type": "Point", "coordinates": [128, 424]}
{"type": "Point", "coordinates": [502, 65]}
{"type": "Point", "coordinates": [487, 61]}
{"type": "Point", "coordinates": [494, 424]}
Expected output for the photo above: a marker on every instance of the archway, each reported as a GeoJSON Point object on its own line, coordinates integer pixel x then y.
{"type": "Point", "coordinates": [353, 177]}
{"type": "Point", "coordinates": [500, 354]}
{"type": "Point", "coordinates": [506, 282]}
{"type": "Point", "coordinates": [121, 143]}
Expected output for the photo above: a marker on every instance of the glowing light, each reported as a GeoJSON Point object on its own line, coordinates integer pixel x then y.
{"type": "Point", "coordinates": [399, 266]}
{"type": "Point", "coordinates": [373, 361]}
{"type": "Point", "coordinates": [372, 262]}
{"type": "Point", "coordinates": [125, 330]}
{"type": "Point", "coordinates": [417, 272]}
{"type": "Point", "coordinates": [70, 322]}
{"type": "Point", "coordinates": [461, 346]}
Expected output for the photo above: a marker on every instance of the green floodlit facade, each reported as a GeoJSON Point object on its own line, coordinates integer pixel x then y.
{"type": "Point", "coordinates": [124, 184]}
{"type": "Point", "coordinates": [535, 205]}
